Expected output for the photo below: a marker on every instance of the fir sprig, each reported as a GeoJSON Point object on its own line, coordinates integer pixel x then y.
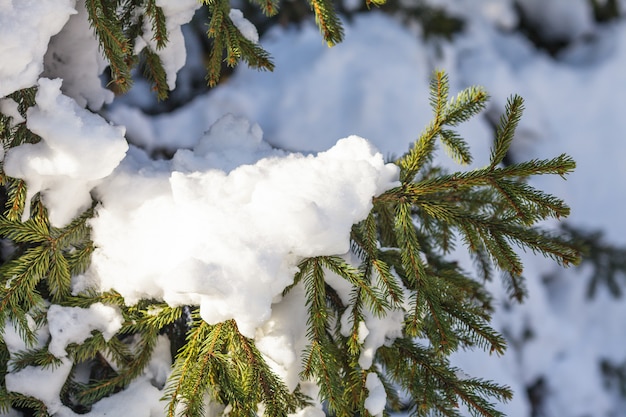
{"type": "Point", "coordinates": [401, 251]}
{"type": "Point", "coordinates": [115, 45]}
{"type": "Point", "coordinates": [229, 44]}
{"type": "Point", "coordinates": [327, 21]}
{"type": "Point", "coordinates": [491, 210]}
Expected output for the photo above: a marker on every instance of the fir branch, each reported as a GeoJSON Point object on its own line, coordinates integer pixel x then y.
{"type": "Point", "coordinates": [30, 231]}
{"type": "Point", "coordinates": [468, 103]}
{"type": "Point", "coordinates": [561, 165]}
{"type": "Point", "coordinates": [321, 355]}
{"type": "Point", "coordinates": [474, 331]}
{"type": "Point", "coordinates": [34, 357]}
{"type": "Point", "coordinates": [17, 292]}
{"type": "Point", "coordinates": [433, 384]}
{"type": "Point", "coordinates": [113, 41]}
{"type": "Point", "coordinates": [536, 204]}
{"type": "Point", "coordinates": [414, 268]}
{"type": "Point", "coordinates": [439, 91]}
{"type": "Point", "coordinates": [356, 318]}
{"type": "Point", "coordinates": [16, 199]}
{"type": "Point", "coordinates": [514, 285]}
{"type": "Point", "coordinates": [456, 146]}
{"type": "Point", "coordinates": [34, 405]}
{"type": "Point", "coordinates": [216, 33]}
{"type": "Point", "coordinates": [268, 388]}
{"type": "Point", "coordinates": [268, 7]}
{"type": "Point", "coordinates": [254, 55]}
{"type": "Point", "coordinates": [159, 30]}
{"type": "Point", "coordinates": [5, 399]}
{"type": "Point", "coordinates": [194, 368]}
{"type": "Point", "coordinates": [376, 302]}
{"type": "Point", "coordinates": [421, 152]}
{"type": "Point", "coordinates": [327, 21]}
{"type": "Point", "coordinates": [25, 98]}
{"type": "Point", "coordinates": [229, 41]}
{"type": "Point", "coordinates": [355, 393]}
{"type": "Point", "coordinates": [79, 259]}
{"type": "Point", "coordinates": [76, 232]}
{"type": "Point", "coordinates": [505, 131]}
{"type": "Point", "coordinates": [155, 317]}
{"type": "Point", "coordinates": [153, 71]}
{"type": "Point", "coordinates": [364, 236]}
{"type": "Point", "coordinates": [98, 389]}
{"type": "Point", "coordinates": [59, 278]}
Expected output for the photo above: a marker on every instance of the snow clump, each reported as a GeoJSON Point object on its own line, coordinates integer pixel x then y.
{"type": "Point", "coordinates": [25, 30]}
{"type": "Point", "coordinates": [224, 226]}
{"type": "Point", "coordinates": [78, 149]}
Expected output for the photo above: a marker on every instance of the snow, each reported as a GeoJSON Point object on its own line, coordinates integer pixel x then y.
{"type": "Point", "coordinates": [377, 397]}
{"type": "Point", "coordinates": [78, 148]}
{"type": "Point", "coordinates": [242, 216]}
{"type": "Point", "coordinates": [74, 325]}
{"type": "Point", "coordinates": [9, 108]}
{"type": "Point", "coordinates": [75, 55]}
{"type": "Point", "coordinates": [173, 54]}
{"type": "Point", "coordinates": [282, 338]}
{"type": "Point", "coordinates": [235, 214]}
{"type": "Point", "coordinates": [27, 381]}
{"type": "Point", "coordinates": [560, 19]}
{"type": "Point", "coordinates": [316, 94]}
{"type": "Point", "coordinates": [247, 29]}
{"type": "Point", "coordinates": [25, 30]}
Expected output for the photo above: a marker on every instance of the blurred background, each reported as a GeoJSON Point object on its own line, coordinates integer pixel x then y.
{"type": "Point", "coordinates": [566, 58]}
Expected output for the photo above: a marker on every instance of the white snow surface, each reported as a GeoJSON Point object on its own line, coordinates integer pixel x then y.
{"type": "Point", "coordinates": [173, 54]}
{"type": "Point", "coordinates": [78, 148]}
{"type": "Point", "coordinates": [376, 397]}
{"type": "Point", "coordinates": [44, 384]}
{"type": "Point", "coordinates": [570, 107]}
{"type": "Point", "coordinates": [241, 217]}
{"type": "Point", "coordinates": [74, 55]}
{"type": "Point", "coordinates": [247, 29]}
{"type": "Point", "coordinates": [9, 107]}
{"type": "Point", "coordinates": [74, 325]}
{"type": "Point", "coordinates": [25, 30]}
{"type": "Point", "coordinates": [273, 207]}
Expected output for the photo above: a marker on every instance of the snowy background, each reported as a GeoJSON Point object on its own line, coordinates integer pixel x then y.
{"type": "Point", "coordinates": [373, 85]}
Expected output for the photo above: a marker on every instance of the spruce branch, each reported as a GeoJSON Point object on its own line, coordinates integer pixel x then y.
{"type": "Point", "coordinates": [157, 18]}
{"type": "Point", "coordinates": [466, 104]}
{"type": "Point", "coordinates": [153, 71]}
{"type": "Point", "coordinates": [103, 387]}
{"type": "Point", "coordinates": [16, 199]}
{"type": "Point", "coordinates": [115, 45]}
{"type": "Point", "coordinates": [376, 302]}
{"type": "Point", "coordinates": [327, 21]}
{"type": "Point", "coordinates": [505, 131]}
{"type": "Point", "coordinates": [37, 357]}
{"type": "Point", "coordinates": [364, 237]}
{"type": "Point", "coordinates": [320, 359]}
{"type": "Point", "coordinates": [228, 41]}
{"type": "Point", "coordinates": [268, 7]}
{"type": "Point", "coordinates": [18, 294]}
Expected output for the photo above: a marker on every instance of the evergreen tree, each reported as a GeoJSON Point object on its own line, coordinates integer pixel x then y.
{"type": "Point", "coordinates": [399, 266]}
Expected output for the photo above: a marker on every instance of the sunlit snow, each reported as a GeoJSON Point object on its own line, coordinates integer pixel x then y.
{"type": "Point", "coordinates": [235, 214]}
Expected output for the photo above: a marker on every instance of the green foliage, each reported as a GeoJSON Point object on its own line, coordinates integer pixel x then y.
{"type": "Point", "coordinates": [118, 23]}
{"type": "Point", "coordinates": [402, 247]}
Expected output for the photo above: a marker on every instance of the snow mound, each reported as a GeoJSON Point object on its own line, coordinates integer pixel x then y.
{"type": "Point", "coordinates": [78, 148]}
{"type": "Point", "coordinates": [25, 30]}
{"type": "Point", "coordinates": [228, 236]}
